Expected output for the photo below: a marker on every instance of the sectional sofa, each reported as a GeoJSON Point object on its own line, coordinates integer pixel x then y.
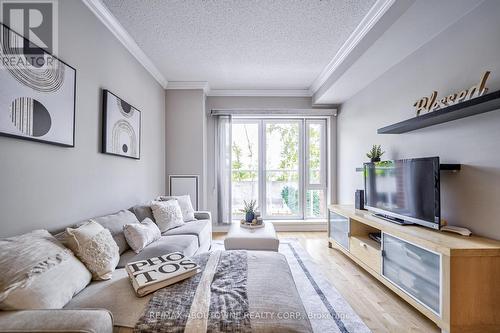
{"type": "Point", "coordinates": [244, 291]}
{"type": "Point", "coordinates": [91, 310]}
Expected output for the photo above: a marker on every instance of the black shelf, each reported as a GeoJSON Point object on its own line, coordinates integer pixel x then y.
{"type": "Point", "coordinates": [442, 167]}
{"type": "Point", "coordinates": [478, 105]}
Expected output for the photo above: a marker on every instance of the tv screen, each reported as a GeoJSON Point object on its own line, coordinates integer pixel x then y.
{"type": "Point", "coordinates": [404, 190]}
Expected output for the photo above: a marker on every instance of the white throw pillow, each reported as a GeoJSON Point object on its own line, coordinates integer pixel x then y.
{"type": "Point", "coordinates": [38, 272]}
{"type": "Point", "coordinates": [185, 204]}
{"type": "Point", "coordinates": [167, 214]}
{"type": "Point", "coordinates": [140, 235]}
{"type": "Point", "coordinates": [95, 247]}
{"type": "Point", "coordinates": [186, 207]}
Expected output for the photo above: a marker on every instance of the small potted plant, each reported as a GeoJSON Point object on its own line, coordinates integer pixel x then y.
{"type": "Point", "coordinates": [249, 210]}
{"type": "Point", "coordinates": [375, 153]}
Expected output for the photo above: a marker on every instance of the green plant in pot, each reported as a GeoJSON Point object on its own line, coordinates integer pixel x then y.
{"type": "Point", "coordinates": [375, 153]}
{"type": "Point", "coordinates": [249, 209]}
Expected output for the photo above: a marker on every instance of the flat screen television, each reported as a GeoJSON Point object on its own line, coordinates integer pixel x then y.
{"type": "Point", "coordinates": [404, 191]}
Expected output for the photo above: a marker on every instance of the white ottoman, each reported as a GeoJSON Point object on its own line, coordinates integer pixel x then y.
{"type": "Point", "coordinates": [261, 239]}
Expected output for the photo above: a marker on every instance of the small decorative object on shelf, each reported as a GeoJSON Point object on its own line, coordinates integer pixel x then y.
{"type": "Point", "coordinates": [433, 103]}
{"type": "Point", "coordinates": [375, 153]}
{"type": "Point", "coordinates": [249, 210]}
{"type": "Point", "coordinates": [359, 199]}
{"type": "Point", "coordinates": [257, 222]}
{"type": "Point", "coordinates": [247, 225]}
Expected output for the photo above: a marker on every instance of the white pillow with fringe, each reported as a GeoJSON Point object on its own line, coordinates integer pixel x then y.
{"type": "Point", "coordinates": [38, 272]}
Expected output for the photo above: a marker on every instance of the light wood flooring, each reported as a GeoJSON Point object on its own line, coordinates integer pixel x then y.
{"type": "Point", "coordinates": [378, 307]}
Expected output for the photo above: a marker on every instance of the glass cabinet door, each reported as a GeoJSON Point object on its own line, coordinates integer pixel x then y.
{"type": "Point", "coordinates": [338, 229]}
{"type": "Point", "coordinates": [415, 270]}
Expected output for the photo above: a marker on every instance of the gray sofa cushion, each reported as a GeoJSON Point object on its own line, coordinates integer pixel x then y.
{"type": "Point", "coordinates": [142, 212]}
{"type": "Point", "coordinates": [187, 244]}
{"type": "Point", "coordinates": [202, 229]}
{"type": "Point", "coordinates": [114, 223]}
{"type": "Point", "coordinates": [115, 295]}
{"type": "Point", "coordinates": [81, 320]}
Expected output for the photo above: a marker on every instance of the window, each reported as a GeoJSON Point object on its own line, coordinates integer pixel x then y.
{"type": "Point", "coordinates": [315, 164]}
{"type": "Point", "coordinates": [244, 164]}
{"type": "Point", "coordinates": [280, 163]}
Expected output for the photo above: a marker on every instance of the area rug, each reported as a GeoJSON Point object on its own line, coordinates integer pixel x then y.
{"type": "Point", "coordinates": [328, 311]}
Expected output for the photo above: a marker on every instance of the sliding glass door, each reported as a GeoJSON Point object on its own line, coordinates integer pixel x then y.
{"type": "Point", "coordinates": [280, 163]}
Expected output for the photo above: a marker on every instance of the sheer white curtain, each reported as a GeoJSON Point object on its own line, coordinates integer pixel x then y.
{"type": "Point", "coordinates": [224, 140]}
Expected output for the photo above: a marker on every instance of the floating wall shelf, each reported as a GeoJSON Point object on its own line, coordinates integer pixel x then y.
{"type": "Point", "coordinates": [442, 167]}
{"type": "Point", "coordinates": [482, 104]}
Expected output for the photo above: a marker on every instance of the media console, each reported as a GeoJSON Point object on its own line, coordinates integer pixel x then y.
{"type": "Point", "coordinates": [453, 280]}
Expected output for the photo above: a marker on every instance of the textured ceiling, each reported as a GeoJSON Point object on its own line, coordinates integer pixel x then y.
{"type": "Point", "coordinates": [241, 44]}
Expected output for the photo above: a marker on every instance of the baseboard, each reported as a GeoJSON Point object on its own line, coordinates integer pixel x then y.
{"type": "Point", "coordinates": [300, 226]}
{"type": "Point", "coordinates": [284, 226]}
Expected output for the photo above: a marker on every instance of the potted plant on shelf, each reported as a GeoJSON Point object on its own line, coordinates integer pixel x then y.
{"type": "Point", "coordinates": [375, 153]}
{"type": "Point", "coordinates": [249, 210]}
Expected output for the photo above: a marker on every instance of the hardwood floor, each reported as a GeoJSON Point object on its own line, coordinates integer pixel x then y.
{"type": "Point", "coordinates": [379, 307]}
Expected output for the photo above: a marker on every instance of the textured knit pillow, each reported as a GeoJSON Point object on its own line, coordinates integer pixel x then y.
{"type": "Point", "coordinates": [38, 272]}
{"type": "Point", "coordinates": [140, 235]}
{"type": "Point", "coordinates": [167, 214]}
{"type": "Point", "coordinates": [95, 247]}
{"type": "Point", "coordinates": [114, 223]}
{"type": "Point", "coordinates": [185, 204]}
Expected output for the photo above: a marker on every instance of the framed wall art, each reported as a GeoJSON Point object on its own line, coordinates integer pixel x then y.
{"type": "Point", "coordinates": [121, 130]}
{"type": "Point", "coordinates": [37, 95]}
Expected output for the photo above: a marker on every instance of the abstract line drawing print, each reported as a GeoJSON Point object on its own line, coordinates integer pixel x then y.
{"type": "Point", "coordinates": [30, 117]}
{"type": "Point", "coordinates": [121, 133]}
{"type": "Point", "coordinates": [124, 138]}
{"type": "Point", "coordinates": [37, 92]}
{"type": "Point", "coordinates": [125, 109]}
{"type": "Point", "coordinates": [42, 73]}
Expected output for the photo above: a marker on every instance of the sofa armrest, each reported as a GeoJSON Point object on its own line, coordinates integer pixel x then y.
{"type": "Point", "coordinates": [84, 320]}
{"type": "Point", "coordinates": [203, 215]}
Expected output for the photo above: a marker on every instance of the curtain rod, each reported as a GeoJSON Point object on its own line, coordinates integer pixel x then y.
{"type": "Point", "coordinates": [271, 112]}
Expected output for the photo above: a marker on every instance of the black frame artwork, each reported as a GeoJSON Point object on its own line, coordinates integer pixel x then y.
{"type": "Point", "coordinates": [40, 100]}
{"type": "Point", "coordinates": [125, 116]}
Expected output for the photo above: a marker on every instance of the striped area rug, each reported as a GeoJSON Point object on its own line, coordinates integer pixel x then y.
{"type": "Point", "coordinates": [327, 309]}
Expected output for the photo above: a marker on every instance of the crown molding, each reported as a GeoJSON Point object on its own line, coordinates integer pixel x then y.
{"type": "Point", "coordinates": [110, 21]}
{"type": "Point", "coordinates": [188, 85]}
{"type": "Point", "coordinates": [261, 92]}
{"type": "Point", "coordinates": [371, 18]}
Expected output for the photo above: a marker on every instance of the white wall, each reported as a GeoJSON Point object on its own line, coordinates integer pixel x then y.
{"type": "Point", "coordinates": [453, 60]}
{"type": "Point", "coordinates": [44, 186]}
{"type": "Point", "coordinates": [185, 136]}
